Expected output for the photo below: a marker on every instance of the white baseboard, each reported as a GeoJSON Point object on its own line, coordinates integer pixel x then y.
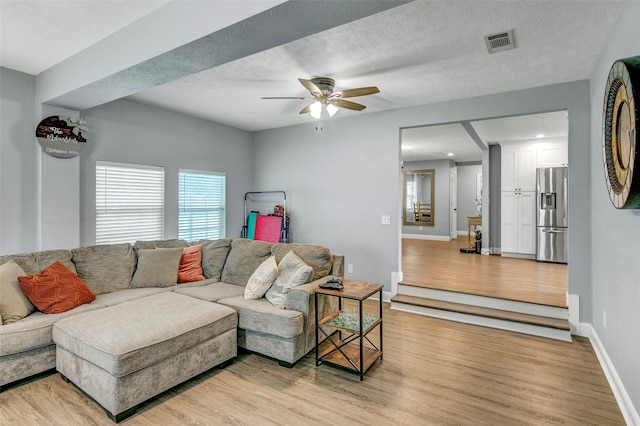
{"type": "Point", "coordinates": [426, 237]}
{"type": "Point", "coordinates": [573, 303]}
{"type": "Point", "coordinates": [629, 412]}
{"type": "Point", "coordinates": [518, 255]}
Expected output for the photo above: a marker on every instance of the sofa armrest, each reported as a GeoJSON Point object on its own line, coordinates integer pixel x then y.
{"type": "Point", "coordinates": [301, 299]}
{"type": "Point", "coordinates": [337, 266]}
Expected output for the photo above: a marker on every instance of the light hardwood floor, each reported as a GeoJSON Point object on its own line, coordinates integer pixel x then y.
{"type": "Point", "coordinates": [440, 265]}
{"type": "Point", "coordinates": [434, 372]}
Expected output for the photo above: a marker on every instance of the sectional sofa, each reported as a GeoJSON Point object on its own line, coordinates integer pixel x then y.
{"type": "Point", "coordinates": [122, 273]}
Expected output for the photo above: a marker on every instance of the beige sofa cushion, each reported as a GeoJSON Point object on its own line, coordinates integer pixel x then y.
{"type": "Point", "coordinates": [214, 255]}
{"type": "Point", "coordinates": [260, 315]}
{"type": "Point", "coordinates": [34, 263]}
{"type": "Point", "coordinates": [211, 292]}
{"type": "Point", "coordinates": [105, 268]}
{"type": "Point", "coordinates": [121, 296]}
{"type": "Point", "coordinates": [14, 305]}
{"type": "Point", "coordinates": [34, 331]}
{"type": "Point", "coordinates": [244, 259]}
{"type": "Point", "coordinates": [318, 257]}
{"type": "Point", "coordinates": [166, 324]}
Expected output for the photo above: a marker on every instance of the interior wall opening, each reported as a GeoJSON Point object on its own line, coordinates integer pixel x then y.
{"type": "Point", "coordinates": [482, 156]}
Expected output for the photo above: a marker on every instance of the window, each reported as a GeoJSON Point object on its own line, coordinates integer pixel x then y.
{"type": "Point", "coordinates": [201, 205]}
{"type": "Point", "coordinates": [129, 202]}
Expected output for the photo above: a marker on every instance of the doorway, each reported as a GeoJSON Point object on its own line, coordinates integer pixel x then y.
{"type": "Point", "coordinates": [476, 143]}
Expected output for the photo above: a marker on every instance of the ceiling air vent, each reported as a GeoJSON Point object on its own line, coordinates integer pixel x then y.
{"type": "Point", "coordinates": [498, 42]}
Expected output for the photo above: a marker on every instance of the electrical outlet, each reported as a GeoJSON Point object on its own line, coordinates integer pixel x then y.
{"type": "Point", "coordinates": [350, 268]}
{"type": "Point", "coordinates": [386, 219]}
{"type": "Point", "coordinates": [604, 319]}
{"type": "Point", "coordinates": [419, 228]}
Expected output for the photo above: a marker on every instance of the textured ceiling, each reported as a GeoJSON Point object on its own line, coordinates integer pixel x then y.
{"type": "Point", "coordinates": [437, 142]}
{"type": "Point", "coordinates": [417, 53]}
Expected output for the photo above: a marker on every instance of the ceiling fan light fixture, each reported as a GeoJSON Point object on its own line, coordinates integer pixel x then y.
{"type": "Point", "coordinates": [315, 109]}
{"type": "Point", "coordinates": [332, 109]}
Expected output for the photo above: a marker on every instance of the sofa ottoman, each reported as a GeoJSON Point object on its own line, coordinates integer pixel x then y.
{"type": "Point", "coordinates": [123, 355]}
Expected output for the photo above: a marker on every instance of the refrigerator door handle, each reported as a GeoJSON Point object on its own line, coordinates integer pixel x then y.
{"type": "Point", "coordinates": [566, 199]}
{"type": "Point", "coordinates": [554, 231]}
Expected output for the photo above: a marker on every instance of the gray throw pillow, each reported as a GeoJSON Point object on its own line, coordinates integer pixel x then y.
{"type": "Point", "coordinates": [157, 268]}
{"type": "Point", "coordinates": [214, 255]}
{"type": "Point", "coordinates": [292, 271]}
{"type": "Point", "coordinates": [244, 258]}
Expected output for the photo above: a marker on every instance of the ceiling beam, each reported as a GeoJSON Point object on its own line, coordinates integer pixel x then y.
{"type": "Point", "coordinates": [474, 135]}
{"type": "Point", "coordinates": [113, 68]}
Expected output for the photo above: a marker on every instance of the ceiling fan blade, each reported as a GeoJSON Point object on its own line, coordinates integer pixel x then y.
{"type": "Point", "coordinates": [362, 91]}
{"type": "Point", "coordinates": [305, 110]}
{"type": "Point", "coordinates": [347, 104]}
{"type": "Point", "coordinates": [312, 88]}
{"type": "Point", "coordinates": [284, 97]}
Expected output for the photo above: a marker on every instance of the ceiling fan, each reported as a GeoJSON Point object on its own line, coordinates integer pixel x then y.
{"type": "Point", "coordinates": [322, 90]}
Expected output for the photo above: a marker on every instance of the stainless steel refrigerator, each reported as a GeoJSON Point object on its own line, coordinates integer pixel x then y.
{"type": "Point", "coordinates": [553, 219]}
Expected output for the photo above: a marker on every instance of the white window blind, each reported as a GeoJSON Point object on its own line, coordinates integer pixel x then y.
{"type": "Point", "coordinates": [129, 202]}
{"type": "Point", "coordinates": [201, 205]}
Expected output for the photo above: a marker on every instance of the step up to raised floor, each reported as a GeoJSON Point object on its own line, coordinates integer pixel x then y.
{"type": "Point", "coordinates": [537, 325]}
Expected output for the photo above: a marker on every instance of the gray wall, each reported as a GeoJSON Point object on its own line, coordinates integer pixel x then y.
{"type": "Point", "coordinates": [615, 233]}
{"type": "Point", "coordinates": [18, 148]}
{"type": "Point", "coordinates": [129, 132]}
{"type": "Point", "coordinates": [440, 209]}
{"type": "Point", "coordinates": [121, 131]}
{"type": "Point", "coordinates": [467, 175]}
{"type": "Point", "coordinates": [337, 188]}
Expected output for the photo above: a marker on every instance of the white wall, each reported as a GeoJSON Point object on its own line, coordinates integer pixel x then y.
{"type": "Point", "coordinates": [128, 132]}
{"type": "Point", "coordinates": [615, 233]}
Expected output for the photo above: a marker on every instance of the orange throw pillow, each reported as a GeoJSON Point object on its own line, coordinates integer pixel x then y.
{"type": "Point", "coordinates": [56, 289]}
{"type": "Point", "coordinates": [191, 264]}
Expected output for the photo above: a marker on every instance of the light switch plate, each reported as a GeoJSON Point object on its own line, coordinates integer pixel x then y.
{"type": "Point", "coordinates": [386, 219]}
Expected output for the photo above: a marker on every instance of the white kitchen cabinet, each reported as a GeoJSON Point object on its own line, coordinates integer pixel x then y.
{"type": "Point", "coordinates": [552, 154]}
{"type": "Point", "coordinates": [518, 167]}
{"type": "Point", "coordinates": [518, 217]}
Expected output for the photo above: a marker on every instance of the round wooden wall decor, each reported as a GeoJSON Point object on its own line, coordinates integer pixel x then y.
{"type": "Point", "coordinates": [62, 137]}
{"type": "Point", "coordinates": [621, 123]}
